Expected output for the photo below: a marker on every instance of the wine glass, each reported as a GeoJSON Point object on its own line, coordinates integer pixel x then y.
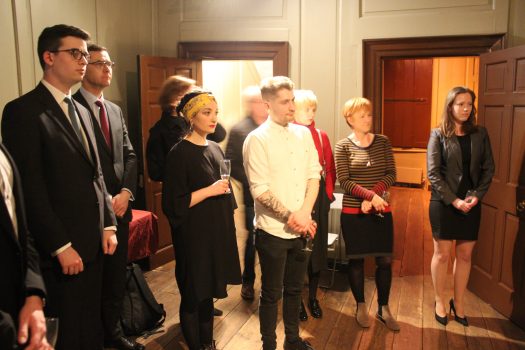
{"type": "Point", "coordinates": [386, 197]}
{"type": "Point", "coordinates": [225, 169]}
{"type": "Point", "coordinates": [51, 330]}
{"type": "Point", "coordinates": [469, 197]}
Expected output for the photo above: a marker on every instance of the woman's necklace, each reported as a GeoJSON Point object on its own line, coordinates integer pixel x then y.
{"type": "Point", "coordinates": [357, 142]}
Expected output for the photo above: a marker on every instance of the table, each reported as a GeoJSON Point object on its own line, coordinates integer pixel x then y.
{"type": "Point", "coordinates": [143, 235]}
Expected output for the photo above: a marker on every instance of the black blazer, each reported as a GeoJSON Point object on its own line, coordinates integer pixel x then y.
{"type": "Point", "coordinates": [445, 168]}
{"type": "Point", "coordinates": [19, 268]}
{"type": "Point", "coordinates": [66, 199]}
{"type": "Point", "coordinates": [120, 165]}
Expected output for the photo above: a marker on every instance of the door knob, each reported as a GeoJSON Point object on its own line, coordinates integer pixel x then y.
{"type": "Point", "coordinates": [521, 206]}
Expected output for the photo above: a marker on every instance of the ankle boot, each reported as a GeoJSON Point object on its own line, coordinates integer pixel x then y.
{"type": "Point", "coordinates": [384, 315]}
{"type": "Point", "coordinates": [362, 315]}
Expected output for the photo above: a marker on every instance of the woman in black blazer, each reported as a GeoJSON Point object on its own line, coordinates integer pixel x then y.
{"type": "Point", "coordinates": [460, 169]}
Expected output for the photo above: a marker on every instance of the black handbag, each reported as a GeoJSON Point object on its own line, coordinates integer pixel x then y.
{"type": "Point", "coordinates": [141, 313]}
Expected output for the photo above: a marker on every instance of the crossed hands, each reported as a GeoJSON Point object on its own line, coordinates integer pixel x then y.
{"type": "Point", "coordinates": [465, 205]}
{"type": "Point", "coordinates": [378, 203]}
{"type": "Point", "coordinates": [301, 221]}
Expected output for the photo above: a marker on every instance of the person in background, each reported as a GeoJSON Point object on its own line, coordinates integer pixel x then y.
{"type": "Point", "coordinates": [199, 207]}
{"type": "Point", "coordinates": [69, 212]}
{"type": "Point", "coordinates": [365, 169]}
{"type": "Point", "coordinates": [170, 128]}
{"type": "Point", "coordinates": [23, 293]}
{"type": "Point", "coordinates": [283, 169]}
{"type": "Point", "coordinates": [305, 109]}
{"type": "Point", "coordinates": [459, 160]}
{"type": "Point", "coordinates": [119, 166]}
{"type": "Point", "coordinates": [256, 115]}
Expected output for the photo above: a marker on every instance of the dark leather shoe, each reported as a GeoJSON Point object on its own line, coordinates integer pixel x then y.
{"type": "Point", "coordinates": [298, 345]}
{"type": "Point", "coordinates": [247, 292]}
{"type": "Point", "coordinates": [217, 312]}
{"type": "Point", "coordinates": [315, 308]}
{"type": "Point", "coordinates": [303, 316]}
{"type": "Point", "coordinates": [125, 343]}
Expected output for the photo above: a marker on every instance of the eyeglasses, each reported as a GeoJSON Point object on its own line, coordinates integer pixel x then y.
{"type": "Point", "coordinates": [75, 53]}
{"type": "Point", "coordinates": [100, 64]}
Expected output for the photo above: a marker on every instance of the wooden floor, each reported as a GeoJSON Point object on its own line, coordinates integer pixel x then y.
{"type": "Point", "coordinates": [411, 301]}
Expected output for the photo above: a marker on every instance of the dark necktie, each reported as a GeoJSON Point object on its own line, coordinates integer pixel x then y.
{"type": "Point", "coordinates": [104, 125]}
{"type": "Point", "coordinates": [73, 117]}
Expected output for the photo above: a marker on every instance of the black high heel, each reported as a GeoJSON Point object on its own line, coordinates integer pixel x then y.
{"type": "Point", "coordinates": [462, 320]}
{"type": "Point", "coordinates": [441, 319]}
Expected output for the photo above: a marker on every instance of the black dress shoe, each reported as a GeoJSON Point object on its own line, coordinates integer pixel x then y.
{"type": "Point", "coordinates": [298, 345]}
{"type": "Point", "coordinates": [441, 319]}
{"type": "Point", "coordinates": [247, 292]}
{"type": "Point", "coordinates": [462, 320]}
{"type": "Point", "coordinates": [217, 312]}
{"type": "Point", "coordinates": [125, 343]}
{"type": "Point", "coordinates": [315, 308]}
{"type": "Point", "coordinates": [303, 316]}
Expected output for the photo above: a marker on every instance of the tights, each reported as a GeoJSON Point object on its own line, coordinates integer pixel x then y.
{"type": "Point", "coordinates": [313, 281]}
{"type": "Point", "coordinates": [196, 320]}
{"type": "Point", "coordinates": [356, 277]}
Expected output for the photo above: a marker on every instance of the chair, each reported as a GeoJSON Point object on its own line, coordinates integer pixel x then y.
{"type": "Point", "coordinates": [334, 239]}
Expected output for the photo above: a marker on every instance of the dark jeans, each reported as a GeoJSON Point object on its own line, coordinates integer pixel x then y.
{"type": "Point", "coordinates": [283, 266]}
{"type": "Point", "coordinates": [248, 275]}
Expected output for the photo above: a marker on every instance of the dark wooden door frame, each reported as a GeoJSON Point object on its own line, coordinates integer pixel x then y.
{"type": "Point", "coordinates": [376, 50]}
{"type": "Point", "coordinates": [276, 51]}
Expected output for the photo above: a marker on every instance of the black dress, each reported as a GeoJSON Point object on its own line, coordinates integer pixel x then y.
{"type": "Point", "coordinates": [204, 238]}
{"type": "Point", "coordinates": [448, 222]}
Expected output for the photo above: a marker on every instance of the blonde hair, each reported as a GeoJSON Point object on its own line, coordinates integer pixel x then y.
{"type": "Point", "coordinates": [356, 104]}
{"type": "Point", "coordinates": [270, 86]}
{"type": "Point", "coordinates": [305, 99]}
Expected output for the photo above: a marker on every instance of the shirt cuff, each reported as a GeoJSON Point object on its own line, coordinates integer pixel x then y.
{"type": "Point", "coordinates": [131, 197]}
{"type": "Point", "coordinates": [61, 249]}
{"type": "Point", "coordinates": [110, 228]}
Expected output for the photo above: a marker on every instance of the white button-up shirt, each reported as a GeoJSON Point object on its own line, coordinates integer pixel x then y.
{"type": "Point", "coordinates": [279, 159]}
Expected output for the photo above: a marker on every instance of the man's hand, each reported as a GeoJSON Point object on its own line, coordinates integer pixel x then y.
{"type": "Point", "coordinates": [120, 203]}
{"type": "Point", "coordinates": [32, 325]}
{"type": "Point", "coordinates": [299, 221]}
{"type": "Point", "coordinates": [70, 261]}
{"type": "Point", "coordinates": [109, 242]}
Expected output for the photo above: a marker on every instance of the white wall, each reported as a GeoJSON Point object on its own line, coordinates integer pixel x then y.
{"type": "Point", "coordinates": [326, 36]}
{"type": "Point", "coordinates": [125, 27]}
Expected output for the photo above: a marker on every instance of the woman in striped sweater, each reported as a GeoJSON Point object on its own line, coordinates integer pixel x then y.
{"type": "Point", "coordinates": [365, 169]}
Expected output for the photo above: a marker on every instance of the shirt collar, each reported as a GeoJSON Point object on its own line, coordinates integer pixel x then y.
{"type": "Point", "coordinates": [58, 95]}
{"type": "Point", "coordinates": [277, 127]}
{"type": "Point", "coordinates": [90, 98]}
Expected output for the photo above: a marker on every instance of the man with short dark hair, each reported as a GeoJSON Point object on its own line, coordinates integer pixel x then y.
{"type": "Point", "coordinates": [283, 169]}
{"type": "Point", "coordinates": [69, 213]}
{"type": "Point", "coordinates": [119, 166]}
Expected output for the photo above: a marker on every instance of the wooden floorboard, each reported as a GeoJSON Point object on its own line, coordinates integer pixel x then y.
{"type": "Point", "coordinates": [411, 301]}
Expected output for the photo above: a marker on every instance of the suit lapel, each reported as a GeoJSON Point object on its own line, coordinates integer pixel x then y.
{"type": "Point", "coordinates": [5, 220]}
{"type": "Point", "coordinates": [113, 120]}
{"type": "Point", "coordinates": [56, 114]}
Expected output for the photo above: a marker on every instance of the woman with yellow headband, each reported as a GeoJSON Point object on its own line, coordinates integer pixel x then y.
{"type": "Point", "coordinates": [199, 206]}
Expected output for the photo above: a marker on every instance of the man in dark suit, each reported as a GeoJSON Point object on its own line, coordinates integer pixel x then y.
{"type": "Point", "coordinates": [69, 212]}
{"type": "Point", "coordinates": [119, 166]}
{"type": "Point", "coordinates": [22, 293]}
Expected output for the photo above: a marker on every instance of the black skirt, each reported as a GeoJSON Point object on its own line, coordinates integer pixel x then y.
{"type": "Point", "coordinates": [449, 223]}
{"type": "Point", "coordinates": [367, 234]}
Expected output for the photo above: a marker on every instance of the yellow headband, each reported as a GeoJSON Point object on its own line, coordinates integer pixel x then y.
{"type": "Point", "coordinates": [193, 106]}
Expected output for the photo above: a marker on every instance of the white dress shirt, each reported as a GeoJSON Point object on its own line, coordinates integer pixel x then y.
{"type": "Point", "coordinates": [280, 159]}
{"type": "Point", "coordinates": [6, 188]}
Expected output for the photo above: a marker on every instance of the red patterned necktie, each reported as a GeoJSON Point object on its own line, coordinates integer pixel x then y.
{"type": "Point", "coordinates": [104, 125]}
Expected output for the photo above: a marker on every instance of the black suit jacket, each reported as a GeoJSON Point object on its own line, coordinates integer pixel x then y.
{"type": "Point", "coordinates": [445, 168]}
{"type": "Point", "coordinates": [19, 268]}
{"type": "Point", "coordinates": [66, 199]}
{"type": "Point", "coordinates": [119, 165]}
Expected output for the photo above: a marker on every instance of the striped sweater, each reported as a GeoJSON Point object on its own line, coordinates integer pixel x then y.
{"type": "Point", "coordinates": [364, 171]}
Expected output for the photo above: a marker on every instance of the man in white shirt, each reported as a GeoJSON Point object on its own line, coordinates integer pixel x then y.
{"type": "Point", "coordinates": [283, 169]}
